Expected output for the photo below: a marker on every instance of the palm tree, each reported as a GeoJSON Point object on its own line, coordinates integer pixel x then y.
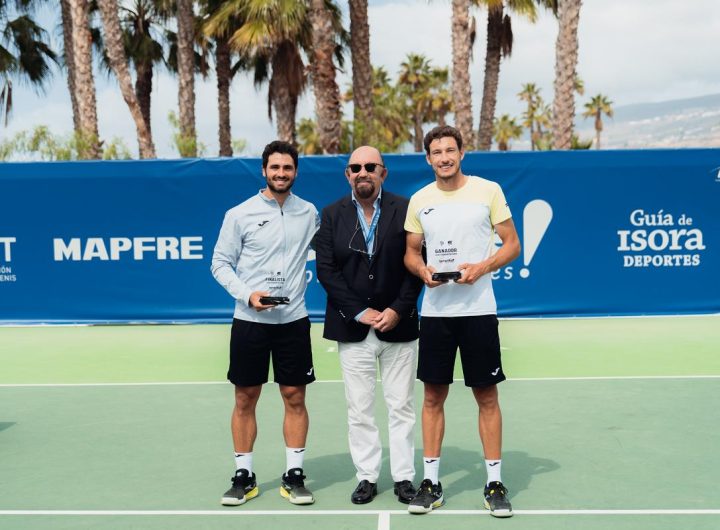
{"type": "Point", "coordinates": [439, 98]}
{"type": "Point", "coordinates": [596, 107]}
{"type": "Point", "coordinates": [461, 51]}
{"type": "Point", "coordinates": [271, 38]}
{"type": "Point", "coordinates": [391, 123]}
{"type": "Point", "coordinates": [543, 122]}
{"type": "Point", "coordinates": [84, 80]}
{"type": "Point", "coordinates": [66, 18]}
{"type": "Point", "coordinates": [24, 54]}
{"type": "Point", "coordinates": [362, 71]}
{"type": "Point", "coordinates": [308, 137]}
{"type": "Point", "coordinates": [391, 120]}
{"type": "Point", "coordinates": [415, 77]}
{"type": "Point", "coordinates": [142, 34]}
{"type": "Point", "coordinates": [224, 70]}
{"type": "Point", "coordinates": [505, 129]}
{"type": "Point", "coordinates": [118, 62]}
{"type": "Point", "coordinates": [530, 94]}
{"type": "Point", "coordinates": [566, 53]}
{"type": "Point", "coordinates": [327, 92]}
{"type": "Point", "coordinates": [499, 44]}
{"type": "Point", "coordinates": [186, 75]}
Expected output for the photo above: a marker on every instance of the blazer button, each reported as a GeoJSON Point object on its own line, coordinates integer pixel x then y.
{"type": "Point", "coordinates": [371, 277]}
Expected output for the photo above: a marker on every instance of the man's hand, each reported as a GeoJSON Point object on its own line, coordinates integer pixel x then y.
{"type": "Point", "coordinates": [472, 271]}
{"type": "Point", "coordinates": [426, 276]}
{"type": "Point", "coordinates": [369, 317]}
{"type": "Point", "coordinates": [254, 301]}
{"type": "Point", "coordinates": [386, 320]}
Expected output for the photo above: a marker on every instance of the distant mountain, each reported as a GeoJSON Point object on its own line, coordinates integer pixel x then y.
{"type": "Point", "coordinates": [693, 122]}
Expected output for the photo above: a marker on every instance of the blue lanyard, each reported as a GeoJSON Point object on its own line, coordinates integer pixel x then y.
{"type": "Point", "coordinates": [369, 233]}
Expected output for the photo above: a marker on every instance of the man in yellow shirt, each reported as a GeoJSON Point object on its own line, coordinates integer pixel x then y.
{"type": "Point", "coordinates": [456, 219]}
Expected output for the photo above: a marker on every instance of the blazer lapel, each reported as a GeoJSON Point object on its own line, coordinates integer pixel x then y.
{"type": "Point", "coordinates": [387, 213]}
{"type": "Point", "coordinates": [352, 228]}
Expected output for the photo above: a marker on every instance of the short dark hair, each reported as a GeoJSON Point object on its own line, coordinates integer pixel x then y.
{"type": "Point", "coordinates": [442, 131]}
{"type": "Point", "coordinates": [278, 146]}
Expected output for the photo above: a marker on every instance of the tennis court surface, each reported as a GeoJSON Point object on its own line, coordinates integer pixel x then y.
{"type": "Point", "coordinates": [608, 423]}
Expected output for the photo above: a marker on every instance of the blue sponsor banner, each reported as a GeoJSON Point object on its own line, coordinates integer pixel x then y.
{"type": "Point", "coordinates": [603, 233]}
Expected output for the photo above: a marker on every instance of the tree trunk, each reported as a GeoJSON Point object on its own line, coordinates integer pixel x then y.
{"type": "Point", "coordinates": [535, 138]}
{"type": "Point", "coordinates": [186, 76]}
{"type": "Point", "coordinates": [362, 81]}
{"type": "Point", "coordinates": [493, 55]}
{"type": "Point", "coordinates": [285, 105]}
{"type": "Point", "coordinates": [598, 129]}
{"type": "Point", "coordinates": [418, 135]}
{"type": "Point", "coordinates": [327, 93]}
{"type": "Point", "coordinates": [118, 62]}
{"type": "Point", "coordinates": [84, 81]}
{"type": "Point", "coordinates": [566, 54]}
{"type": "Point", "coordinates": [223, 72]}
{"type": "Point", "coordinates": [461, 91]}
{"type": "Point", "coordinates": [143, 90]}
{"type": "Point", "coordinates": [69, 62]}
{"type": "Point", "coordinates": [533, 135]}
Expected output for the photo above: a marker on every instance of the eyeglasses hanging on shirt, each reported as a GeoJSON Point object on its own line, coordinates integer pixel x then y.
{"type": "Point", "coordinates": [368, 234]}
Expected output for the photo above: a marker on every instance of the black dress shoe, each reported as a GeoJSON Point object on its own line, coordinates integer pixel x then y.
{"type": "Point", "coordinates": [405, 491]}
{"type": "Point", "coordinates": [364, 493]}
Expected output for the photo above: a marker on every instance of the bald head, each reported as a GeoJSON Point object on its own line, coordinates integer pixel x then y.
{"type": "Point", "coordinates": [366, 153]}
{"type": "Point", "coordinates": [366, 173]}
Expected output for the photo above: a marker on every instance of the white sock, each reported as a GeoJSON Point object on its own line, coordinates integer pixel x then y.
{"type": "Point", "coordinates": [493, 470]}
{"type": "Point", "coordinates": [244, 461]}
{"type": "Point", "coordinates": [294, 457]}
{"type": "Point", "coordinates": [432, 468]}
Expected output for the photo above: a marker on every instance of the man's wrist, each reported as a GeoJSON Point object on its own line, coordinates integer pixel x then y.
{"type": "Point", "coordinates": [360, 314]}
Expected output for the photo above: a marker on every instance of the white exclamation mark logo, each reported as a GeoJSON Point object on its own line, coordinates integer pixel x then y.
{"type": "Point", "coordinates": [536, 219]}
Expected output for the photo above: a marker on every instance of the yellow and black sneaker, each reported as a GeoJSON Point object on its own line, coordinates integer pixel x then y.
{"type": "Point", "coordinates": [293, 487]}
{"type": "Point", "coordinates": [496, 500]}
{"type": "Point", "coordinates": [428, 497]}
{"type": "Point", "coordinates": [244, 487]}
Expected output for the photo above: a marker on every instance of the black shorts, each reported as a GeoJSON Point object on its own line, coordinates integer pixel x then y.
{"type": "Point", "coordinates": [252, 343]}
{"type": "Point", "coordinates": [479, 343]}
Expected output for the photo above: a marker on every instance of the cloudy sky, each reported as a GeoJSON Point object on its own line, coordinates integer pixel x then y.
{"type": "Point", "coordinates": [633, 51]}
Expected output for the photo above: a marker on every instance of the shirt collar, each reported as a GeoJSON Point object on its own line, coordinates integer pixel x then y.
{"type": "Point", "coordinates": [272, 199]}
{"type": "Point", "coordinates": [376, 203]}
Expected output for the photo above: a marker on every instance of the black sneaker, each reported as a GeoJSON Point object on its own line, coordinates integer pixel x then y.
{"type": "Point", "coordinates": [429, 496]}
{"type": "Point", "coordinates": [405, 491]}
{"type": "Point", "coordinates": [293, 487]}
{"type": "Point", "coordinates": [496, 500]}
{"type": "Point", "coordinates": [244, 487]}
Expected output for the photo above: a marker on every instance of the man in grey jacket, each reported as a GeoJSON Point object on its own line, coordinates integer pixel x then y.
{"type": "Point", "coordinates": [260, 259]}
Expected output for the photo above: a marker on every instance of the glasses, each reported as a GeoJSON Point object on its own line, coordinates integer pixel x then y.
{"type": "Point", "coordinates": [353, 247]}
{"type": "Point", "coordinates": [369, 167]}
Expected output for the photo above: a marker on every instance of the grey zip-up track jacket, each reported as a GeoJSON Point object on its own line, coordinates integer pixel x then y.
{"type": "Point", "coordinates": [263, 247]}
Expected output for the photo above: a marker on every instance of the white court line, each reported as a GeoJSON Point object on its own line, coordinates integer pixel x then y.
{"type": "Point", "coordinates": [518, 379]}
{"type": "Point", "coordinates": [383, 515]}
{"type": "Point", "coordinates": [383, 521]}
{"type": "Point", "coordinates": [611, 377]}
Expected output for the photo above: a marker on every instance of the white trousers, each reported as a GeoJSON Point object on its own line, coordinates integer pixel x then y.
{"type": "Point", "coordinates": [397, 362]}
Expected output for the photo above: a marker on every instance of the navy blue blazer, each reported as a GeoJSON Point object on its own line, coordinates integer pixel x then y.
{"type": "Point", "coordinates": [354, 282]}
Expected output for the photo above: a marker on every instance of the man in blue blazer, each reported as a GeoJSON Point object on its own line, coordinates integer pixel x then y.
{"type": "Point", "coordinates": [372, 314]}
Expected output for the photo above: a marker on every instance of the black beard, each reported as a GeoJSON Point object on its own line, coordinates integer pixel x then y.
{"type": "Point", "coordinates": [365, 192]}
{"type": "Point", "coordinates": [277, 190]}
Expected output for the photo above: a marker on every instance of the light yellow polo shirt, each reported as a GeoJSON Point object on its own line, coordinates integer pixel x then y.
{"type": "Point", "coordinates": [458, 228]}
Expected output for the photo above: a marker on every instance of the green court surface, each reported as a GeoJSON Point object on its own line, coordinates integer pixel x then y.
{"type": "Point", "coordinates": [607, 422]}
